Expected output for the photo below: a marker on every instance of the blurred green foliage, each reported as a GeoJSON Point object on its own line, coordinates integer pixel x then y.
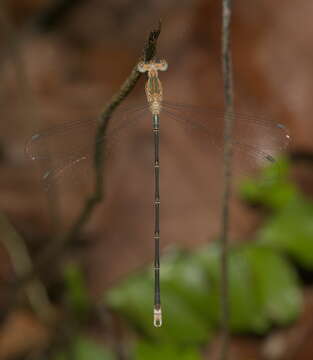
{"type": "Point", "coordinates": [76, 294]}
{"type": "Point", "coordinates": [289, 229]}
{"type": "Point", "coordinates": [144, 351]}
{"type": "Point", "coordinates": [83, 348]}
{"type": "Point", "coordinates": [78, 305]}
{"type": "Point", "coordinates": [264, 289]}
{"type": "Point", "coordinates": [272, 189]}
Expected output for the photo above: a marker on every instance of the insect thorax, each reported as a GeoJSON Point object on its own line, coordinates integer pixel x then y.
{"type": "Point", "coordinates": [154, 91]}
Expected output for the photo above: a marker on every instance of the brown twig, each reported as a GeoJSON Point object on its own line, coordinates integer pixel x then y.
{"type": "Point", "coordinates": [225, 219]}
{"type": "Point", "coordinates": [55, 248]}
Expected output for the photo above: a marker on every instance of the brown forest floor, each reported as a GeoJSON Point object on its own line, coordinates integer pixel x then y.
{"type": "Point", "coordinates": [70, 71]}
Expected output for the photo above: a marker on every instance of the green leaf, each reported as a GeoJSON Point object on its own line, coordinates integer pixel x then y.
{"type": "Point", "coordinates": [245, 314]}
{"type": "Point", "coordinates": [183, 275]}
{"type": "Point", "coordinates": [133, 298]}
{"type": "Point", "coordinates": [85, 349]}
{"type": "Point", "coordinates": [272, 189]}
{"type": "Point", "coordinates": [181, 321]}
{"type": "Point", "coordinates": [76, 291]}
{"type": "Point", "coordinates": [263, 288]}
{"type": "Point", "coordinates": [291, 231]}
{"type": "Point", "coordinates": [144, 351]}
{"type": "Point", "coordinates": [88, 350]}
{"type": "Point", "coordinates": [263, 291]}
{"type": "Point", "coordinates": [276, 285]}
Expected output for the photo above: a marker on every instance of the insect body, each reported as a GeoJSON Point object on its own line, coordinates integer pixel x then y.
{"type": "Point", "coordinates": [256, 142]}
{"type": "Point", "coordinates": [154, 93]}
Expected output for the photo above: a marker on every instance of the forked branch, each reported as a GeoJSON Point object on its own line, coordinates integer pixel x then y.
{"type": "Point", "coordinates": [56, 247]}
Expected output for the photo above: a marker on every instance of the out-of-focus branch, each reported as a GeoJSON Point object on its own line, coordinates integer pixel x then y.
{"type": "Point", "coordinates": [225, 218]}
{"type": "Point", "coordinates": [49, 17]}
{"type": "Point", "coordinates": [22, 264]}
{"type": "Point", "coordinates": [56, 247]}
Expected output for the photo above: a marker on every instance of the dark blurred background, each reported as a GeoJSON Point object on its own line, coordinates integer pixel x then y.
{"type": "Point", "coordinates": [62, 60]}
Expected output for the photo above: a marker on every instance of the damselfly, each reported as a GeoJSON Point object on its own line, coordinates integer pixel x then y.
{"type": "Point", "coordinates": [256, 141]}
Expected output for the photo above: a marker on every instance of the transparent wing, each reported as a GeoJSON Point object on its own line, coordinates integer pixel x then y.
{"type": "Point", "coordinates": [62, 148]}
{"type": "Point", "coordinates": [257, 141]}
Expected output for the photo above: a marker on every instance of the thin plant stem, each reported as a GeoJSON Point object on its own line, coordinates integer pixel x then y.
{"type": "Point", "coordinates": [228, 152]}
{"type": "Point", "coordinates": [22, 263]}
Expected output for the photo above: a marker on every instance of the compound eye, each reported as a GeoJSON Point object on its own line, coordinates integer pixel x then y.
{"type": "Point", "coordinates": [141, 67]}
{"type": "Point", "coordinates": [164, 65]}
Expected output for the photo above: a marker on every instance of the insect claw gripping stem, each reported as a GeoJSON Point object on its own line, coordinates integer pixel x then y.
{"type": "Point", "coordinates": [154, 93]}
